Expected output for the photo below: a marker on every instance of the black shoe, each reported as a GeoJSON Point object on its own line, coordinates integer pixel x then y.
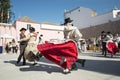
{"type": "Point", "coordinates": [24, 63]}
{"type": "Point", "coordinates": [17, 62]}
{"type": "Point", "coordinates": [83, 63]}
{"type": "Point", "coordinates": [104, 55]}
{"type": "Point", "coordinates": [74, 67]}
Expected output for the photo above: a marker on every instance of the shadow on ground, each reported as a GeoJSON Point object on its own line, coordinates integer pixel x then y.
{"type": "Point", "coordinates": [43, 65]}
{"type": "Point", "coordinates": [95, 54]}
{"type": "Point", "coordinates": [102, 66]}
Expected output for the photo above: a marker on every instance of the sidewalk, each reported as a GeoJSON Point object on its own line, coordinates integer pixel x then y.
{"type": "Point", "coordinates": [96, 68]}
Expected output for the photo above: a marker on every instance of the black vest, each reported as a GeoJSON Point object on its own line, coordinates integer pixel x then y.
{"type": "Point", "coordinates": [23, 42]}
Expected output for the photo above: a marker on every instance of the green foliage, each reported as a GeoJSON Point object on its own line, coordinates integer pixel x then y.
{"type": "Point", "coordinates": [5, 11]}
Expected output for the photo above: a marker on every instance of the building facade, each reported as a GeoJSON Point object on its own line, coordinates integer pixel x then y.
{"type": "Point", "coordinates": [49, 31]}
{"type": "Point", "coordinates": [86, 19]}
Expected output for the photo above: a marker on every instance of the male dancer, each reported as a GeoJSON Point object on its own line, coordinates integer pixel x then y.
{"type": "Point", "coordinates": [23, 45]}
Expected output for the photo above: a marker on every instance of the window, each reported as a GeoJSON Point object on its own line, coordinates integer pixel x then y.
{"type": "Point", "coordinates": [118, 14]}
{"type": "Point", "coordinates": [28, 26]}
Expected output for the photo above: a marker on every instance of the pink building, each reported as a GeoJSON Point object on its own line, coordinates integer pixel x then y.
{"type": "Point", "coordinates": [50, 31]}
{"type": "Point", "coordinates": [7, 32]}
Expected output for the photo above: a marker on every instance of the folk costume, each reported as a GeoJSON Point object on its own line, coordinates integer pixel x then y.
{"type": "Point", "coordinates": [112, 48]}
{"type": "Point", "coordinates": [111, 45]}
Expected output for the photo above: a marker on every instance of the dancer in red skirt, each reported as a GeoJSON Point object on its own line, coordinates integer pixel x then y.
{"type": "Point", "coordinates": [111, 45]}
{"type": "Point", "coordinates": [112, 48]}
{"type": "Point", "coordinates": [63, 54]}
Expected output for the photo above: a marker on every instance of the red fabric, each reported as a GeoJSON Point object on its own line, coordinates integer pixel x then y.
{"type": "Point", "coordinates": [112, 48]}
{"type": "Point", "coordinates": [55, 52]}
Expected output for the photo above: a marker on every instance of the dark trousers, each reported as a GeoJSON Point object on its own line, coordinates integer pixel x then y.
{"type": "Point", "coordinates": [74, 66]}
{"type": "Point", "coordinates": [104, 49]}
{"type": "Point", "coordinates": [22, 50]}
{"type": "Point", "coordinates": [14, 49]}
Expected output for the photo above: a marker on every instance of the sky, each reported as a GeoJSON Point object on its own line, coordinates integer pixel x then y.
{"type": "Point", "coordinates": [53, 10]}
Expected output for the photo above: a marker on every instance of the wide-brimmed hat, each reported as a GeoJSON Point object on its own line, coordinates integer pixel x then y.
{"type": "Point", "coordinates": [22, 29]}
{"type": "Point", "coordinates": [67, 20]}
{"type": "Point", "coordinates": [32, 29]}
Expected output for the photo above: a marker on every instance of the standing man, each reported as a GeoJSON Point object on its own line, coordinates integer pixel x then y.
{"type": "Point", "coordinates": [103, 40]}
{"type": "Point", "coordinates": [23, 45]}
{"type": "Point", "coordinates": [71, 32]}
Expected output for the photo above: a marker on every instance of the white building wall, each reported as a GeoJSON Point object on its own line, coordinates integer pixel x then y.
{"type": "Point", "coordinates": [51, 32]}
{"type": "Point", "coordinates": [104, 18]}
{"type": "Point", "coordinates": [84, 17]}
{"type": "Point", "coordinates": [116, 13]}
{"type": "Point", "coordinates": [80, 16]}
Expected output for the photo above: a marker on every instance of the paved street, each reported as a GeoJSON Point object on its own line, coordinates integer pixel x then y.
{"type": "Point", "coordinates": [97, 67]}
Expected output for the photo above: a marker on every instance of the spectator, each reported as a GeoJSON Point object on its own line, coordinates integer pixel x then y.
{"type": "Point", "coordinates": [14, 46]}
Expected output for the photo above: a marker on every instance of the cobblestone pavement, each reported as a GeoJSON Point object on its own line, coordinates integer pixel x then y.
{"type": "Point", "coordinates": [96, 67]}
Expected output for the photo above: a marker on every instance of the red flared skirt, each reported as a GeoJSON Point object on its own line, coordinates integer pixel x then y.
{"type": "Point", "coordinates": [55, 52]}
{"type": "Point", "coordinates": [112, 48]}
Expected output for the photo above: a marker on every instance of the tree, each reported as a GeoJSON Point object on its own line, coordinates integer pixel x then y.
{"type": "Point", "coordinates": [5, 11]}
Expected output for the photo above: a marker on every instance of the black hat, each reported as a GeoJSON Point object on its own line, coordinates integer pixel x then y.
{"type": "Point", "coordinates": [32, 29]}
{"type": "Point", "coordinates": [67, 20]}
{"type": "Point", "coordinates": [41, 35]}
{"type": "Point", "coordinates": [22, 29]}
{"type": "Point", "coordinates": [103, 32]}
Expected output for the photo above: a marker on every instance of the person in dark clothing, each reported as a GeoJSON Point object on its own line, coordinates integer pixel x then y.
{"type": "Point", "coordinates": [22, 46]}
{"type": "Point", "coordinates": [103, 40]}
{"type": "Point", "coordinates": [13, 45]}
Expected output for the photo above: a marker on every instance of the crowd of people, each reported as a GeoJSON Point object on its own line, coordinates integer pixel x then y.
{"type": "Point", "coordinates": [109, 43]}
{"type": "Point", "coordinates": [12, 47]}
{"type": "Point", "coordinates": [103, 43]}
